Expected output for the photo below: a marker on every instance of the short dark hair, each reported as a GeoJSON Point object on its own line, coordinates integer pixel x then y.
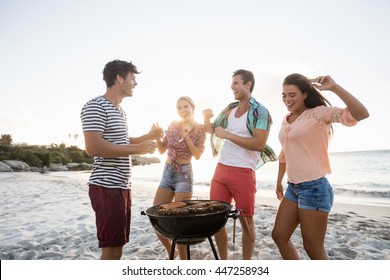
{"type": "Point", "coordinates": [117, 67]}
{"type": "Point", "coordinates": [247, 76]}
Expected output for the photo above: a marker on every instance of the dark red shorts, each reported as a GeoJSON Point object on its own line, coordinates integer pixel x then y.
{"type": "Point", "coordinates": [113, 215]}
{"type": "Point", "coordinates": [236, 183]}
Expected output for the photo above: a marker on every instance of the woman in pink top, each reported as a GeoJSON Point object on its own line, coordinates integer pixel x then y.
{"type": "Point", "coordinates": [304, 136]}
{"type": "Point", "coordinates": [183, 140]}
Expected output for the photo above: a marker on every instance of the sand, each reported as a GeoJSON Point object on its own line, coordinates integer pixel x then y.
{"type": "Point", "coordinates": [49, 217]}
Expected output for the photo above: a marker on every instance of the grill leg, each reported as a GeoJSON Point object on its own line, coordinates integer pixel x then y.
{"type": "Point", "coordinates": [172, 253]}
{"type": "Point", "coordinates": [213, 247]}
{"type": "Point", "coordinates": [188, 251]}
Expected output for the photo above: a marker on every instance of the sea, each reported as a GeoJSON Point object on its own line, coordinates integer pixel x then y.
{"type": "Point", "coordinates": [361, 177]}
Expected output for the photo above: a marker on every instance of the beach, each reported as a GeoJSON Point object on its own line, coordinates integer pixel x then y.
{"type": "Point", "coordinates": [49, 217]}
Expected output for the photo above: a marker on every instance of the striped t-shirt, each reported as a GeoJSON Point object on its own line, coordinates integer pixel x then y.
{"type": "Point", "coordinates": [100, 115]}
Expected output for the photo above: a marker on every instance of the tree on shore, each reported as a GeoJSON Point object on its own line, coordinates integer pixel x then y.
{"type": "Point", "coordinates": [6, 139]}
{"type": "Point", "coordinates": [42, 155]}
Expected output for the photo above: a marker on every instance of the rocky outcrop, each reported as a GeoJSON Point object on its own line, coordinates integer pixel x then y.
{"type": "Point", "coordinates": [71, 167]}
{"type": "Point", "coordinates": [17, 165]}
{"type": "Point", "coordinates": [79, 166]}
{"type": "Point", "coordinates": [154, 160]}
{"type": "Point", "coordinates": [5, 167]}
{"type": "Point", "coordinates": [58, 167]}
{"type": "Point", "coordinates": [138, 160]}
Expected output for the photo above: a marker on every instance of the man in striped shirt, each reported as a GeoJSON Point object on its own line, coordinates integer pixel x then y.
{"type": "Point", "coordinates": [106, 139]}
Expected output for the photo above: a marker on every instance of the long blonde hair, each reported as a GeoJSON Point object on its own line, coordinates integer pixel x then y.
{"type": "Point", "coordinates": [189, 100]}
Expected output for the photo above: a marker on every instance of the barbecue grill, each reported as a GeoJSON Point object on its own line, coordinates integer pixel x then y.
{"type": "Point", "coordinates": [191, 228]}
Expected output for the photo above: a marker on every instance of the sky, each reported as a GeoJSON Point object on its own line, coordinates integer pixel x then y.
{"type": "Point", "coordinates": [52, 54]}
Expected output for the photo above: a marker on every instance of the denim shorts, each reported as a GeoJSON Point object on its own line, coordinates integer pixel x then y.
{"type": "Point", "coordinates": [311, 195]}
{"type": "Point", "coordinates": [174, 181]}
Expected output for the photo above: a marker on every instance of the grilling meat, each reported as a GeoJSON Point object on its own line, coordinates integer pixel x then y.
{"type": "Point", "coordinates": [190, 207]}
{"type": "Point", "coordinates": [173, 205]}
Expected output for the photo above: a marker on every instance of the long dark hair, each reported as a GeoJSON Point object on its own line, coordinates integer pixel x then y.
{"type": "Point", "coordinates": [314, 97]}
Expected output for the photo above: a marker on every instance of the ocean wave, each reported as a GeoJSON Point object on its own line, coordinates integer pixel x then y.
{"type": "Point", "coordinates": [365, 189]}
{"type": "Point", "coordinates": [363, 193]}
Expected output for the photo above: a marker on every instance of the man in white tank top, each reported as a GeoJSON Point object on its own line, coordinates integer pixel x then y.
{"type": "Point", "coordinates": [244, 126]}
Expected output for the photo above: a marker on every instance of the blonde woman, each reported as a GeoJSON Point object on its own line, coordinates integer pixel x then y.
{"type": "Point", "coordinates": [183, 140]}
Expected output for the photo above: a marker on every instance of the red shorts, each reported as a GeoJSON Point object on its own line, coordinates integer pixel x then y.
{"type": "Point", "coordinates": [236, 183]}
{"type": "Point", "coordinates": [113, 215]}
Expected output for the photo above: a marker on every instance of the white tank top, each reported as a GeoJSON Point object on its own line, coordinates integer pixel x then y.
{"type": "Point", "coordinates": [232, 154]}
